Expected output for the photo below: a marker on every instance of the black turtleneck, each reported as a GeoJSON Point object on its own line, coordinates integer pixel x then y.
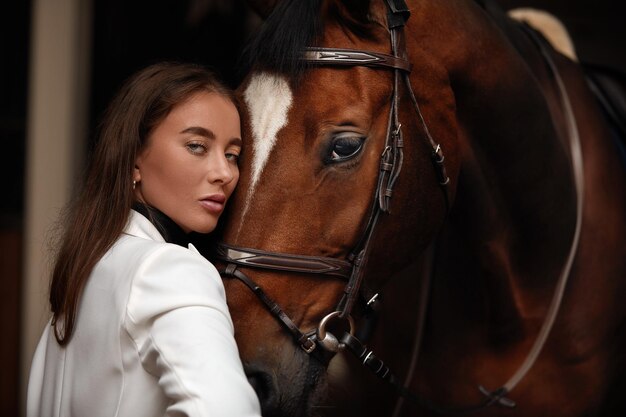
{"type": "Point", "coordinates": [171, 232]}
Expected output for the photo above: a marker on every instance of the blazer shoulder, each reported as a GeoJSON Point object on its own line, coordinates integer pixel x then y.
{"type": "Point", "coordinates": [131, 255]}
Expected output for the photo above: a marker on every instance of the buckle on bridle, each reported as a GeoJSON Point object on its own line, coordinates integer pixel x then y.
{"type": "Point", "coordinates": [328, 340]}
{"type": "Point", "coordinates": [308, 345]}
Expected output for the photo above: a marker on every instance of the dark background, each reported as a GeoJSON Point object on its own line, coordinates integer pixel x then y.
{"type": "Point", "coordinates": [128, 35]}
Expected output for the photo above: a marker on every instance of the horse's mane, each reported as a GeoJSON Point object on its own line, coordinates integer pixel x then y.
{"type": "Point", "coordinates": [292, 26]}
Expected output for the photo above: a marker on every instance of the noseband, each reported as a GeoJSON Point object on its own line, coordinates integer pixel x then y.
{"type": "Point", "coordinates": [351, 269]}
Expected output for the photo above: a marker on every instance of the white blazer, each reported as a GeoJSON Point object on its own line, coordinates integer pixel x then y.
{"type": "Point", "coordinates": [153, 337]}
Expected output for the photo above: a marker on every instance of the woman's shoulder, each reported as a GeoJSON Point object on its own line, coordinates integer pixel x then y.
{"type": "Point", "coordinates": [170, 277]}
{"type": "Point", "coordinates": [140, 252]}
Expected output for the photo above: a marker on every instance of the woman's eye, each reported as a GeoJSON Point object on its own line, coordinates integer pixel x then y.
{"type": "Point", "coordinates": [346, 147]}
{"type": "Point", "coordinates": [196, 148]}
{"type": "Point", "coordinates": [234, 157]}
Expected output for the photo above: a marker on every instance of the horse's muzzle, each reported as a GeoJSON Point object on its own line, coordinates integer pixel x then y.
{"type": "Point", "coordinates": [291, 390]}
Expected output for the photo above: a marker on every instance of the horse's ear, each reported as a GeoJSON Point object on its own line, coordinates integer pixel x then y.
{"type": "Point", "coordinates": [262, 7]}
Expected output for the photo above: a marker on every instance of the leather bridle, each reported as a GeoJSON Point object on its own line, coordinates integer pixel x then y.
{"type": "Point", "coordinates": [352, 268]}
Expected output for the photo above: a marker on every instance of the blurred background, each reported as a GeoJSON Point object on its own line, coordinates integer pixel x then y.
{"type": "Point", "coordinates": [60, 63]}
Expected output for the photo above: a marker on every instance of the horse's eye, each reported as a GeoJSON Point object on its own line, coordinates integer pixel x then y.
{"type": "Point", "coordinates": [345, 147]}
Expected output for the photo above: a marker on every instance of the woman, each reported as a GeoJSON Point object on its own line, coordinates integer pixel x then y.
{"type": "Point", "coordinates": [140, 325]}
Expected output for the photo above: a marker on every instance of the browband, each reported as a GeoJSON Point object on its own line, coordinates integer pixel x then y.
{"type": "Point", "coordinates": [352, 57]}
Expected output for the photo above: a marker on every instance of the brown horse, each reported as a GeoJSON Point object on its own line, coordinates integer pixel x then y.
{"type": "Point", "coordinates": [489, 281]}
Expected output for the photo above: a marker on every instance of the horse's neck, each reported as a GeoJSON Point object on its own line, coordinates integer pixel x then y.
{"type": "Point", "coordinates": [514, 209]}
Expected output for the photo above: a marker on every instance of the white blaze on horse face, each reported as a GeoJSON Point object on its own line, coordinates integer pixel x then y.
{"type": "Point", "coordinates": [268, 98]}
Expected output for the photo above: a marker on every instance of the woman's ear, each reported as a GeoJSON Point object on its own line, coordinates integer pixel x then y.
{"type": "Point", "coordinates": [136, 174]}
{"type": "Point", "coordinates": [137, 169]}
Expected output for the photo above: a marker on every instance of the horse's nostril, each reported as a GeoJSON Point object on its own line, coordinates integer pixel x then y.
{"type": "Point", "coordinates": [265, 389]}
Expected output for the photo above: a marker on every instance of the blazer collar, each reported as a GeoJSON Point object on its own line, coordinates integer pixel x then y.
{"type": "Point", "coordinates": [138, 225]}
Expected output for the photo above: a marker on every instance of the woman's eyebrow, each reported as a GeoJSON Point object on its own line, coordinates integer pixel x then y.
{"type": "Point", "coordinates": [201, 131]}
{"type": "Point", "coordinates": [208, 133]}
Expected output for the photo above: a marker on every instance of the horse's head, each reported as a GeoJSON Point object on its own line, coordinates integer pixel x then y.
{"type": "Point", "coordinates": [324, 182]}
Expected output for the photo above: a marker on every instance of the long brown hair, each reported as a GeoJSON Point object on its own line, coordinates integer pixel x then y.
{"type": "Point", "coordinates": [98, 215]}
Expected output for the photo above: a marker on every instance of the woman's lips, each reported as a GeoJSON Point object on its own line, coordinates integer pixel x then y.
{"type": "Point", "coordinates": [214, 203]}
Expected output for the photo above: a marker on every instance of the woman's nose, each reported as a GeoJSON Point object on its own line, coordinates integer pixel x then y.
{"type": "Point", "coordinates": [221, 170]}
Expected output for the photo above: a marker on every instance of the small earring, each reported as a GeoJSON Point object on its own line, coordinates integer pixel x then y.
{"type": "Point", "coordinates": [134, 184]}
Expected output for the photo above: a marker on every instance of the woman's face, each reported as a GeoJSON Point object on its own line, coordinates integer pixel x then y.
{"type": "Point", "coordinates": [188, 166]}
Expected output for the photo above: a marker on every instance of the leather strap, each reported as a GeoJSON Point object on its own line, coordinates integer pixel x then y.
{"type": "Point", "coordinates": [378, 367]}
{"type": "Point", "coordinates": [366, 356]}
{"type": "Point", "coordinates": [305, 342]}
{"type": "Point", "coordinates": [284, 262]}
{"type": "Point", "coordinates": [577, 165]}
{"type": "Point", "coordinates": [398, 14]}
{"type": "Point", "coordinates": [354, 57]}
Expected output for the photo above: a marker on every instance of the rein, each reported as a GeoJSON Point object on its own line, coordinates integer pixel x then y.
{"type": "Point", "coordinates": [352, 269]}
